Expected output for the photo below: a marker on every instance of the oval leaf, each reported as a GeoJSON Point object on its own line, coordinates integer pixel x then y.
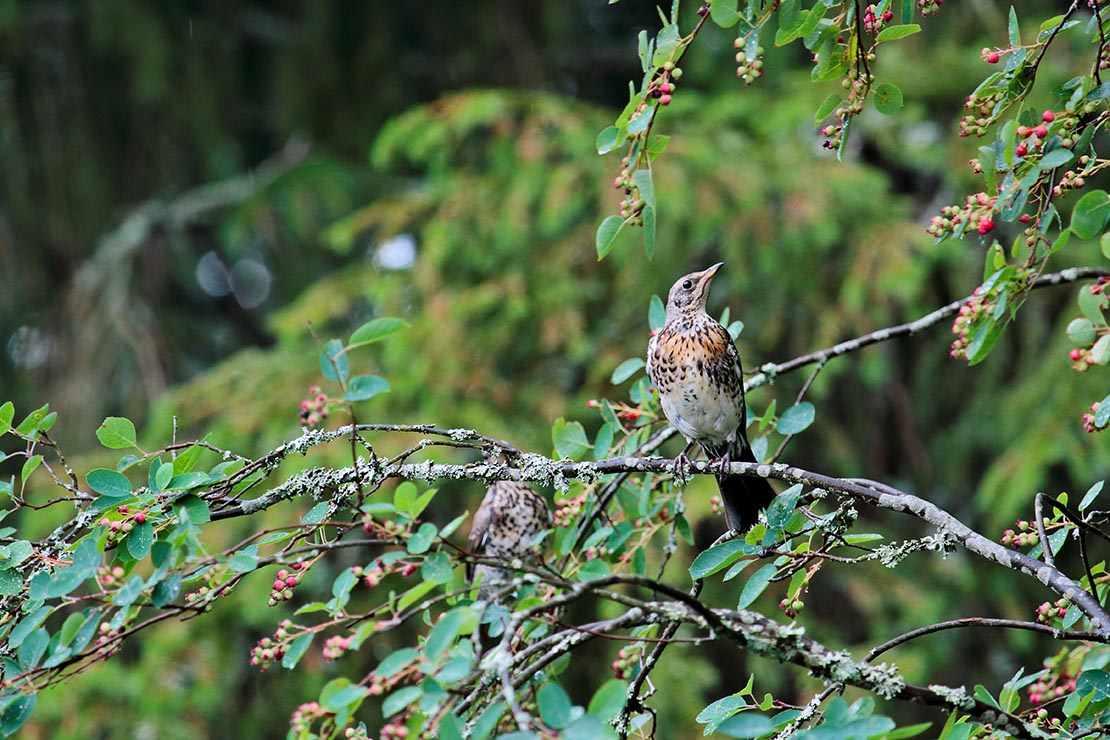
{"type": "Point", "coordinates": [797, 418]}
{"type": "Point", "coordinates": [109, 483]}
{"type": "Point", "coordinates": [365, 387]}
{"type": "Point", "coordinates": [607, 235]}
{"type": "Point", "coordinates": [376, 330]}
{"type": "Point", "coordinates": [116, 433]}
{"type": "Point", "coordinates": [1090, 214]}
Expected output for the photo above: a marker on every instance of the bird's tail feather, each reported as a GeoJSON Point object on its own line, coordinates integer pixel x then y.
{"type": "Point", "coordinates": [743, 496]}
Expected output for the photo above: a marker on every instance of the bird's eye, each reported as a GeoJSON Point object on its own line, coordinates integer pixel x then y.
{"type": "Point", "coordinates": [687, 284]}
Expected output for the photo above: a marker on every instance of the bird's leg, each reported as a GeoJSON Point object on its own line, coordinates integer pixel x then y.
{"type": "Point", "coordinates": [682, 465]}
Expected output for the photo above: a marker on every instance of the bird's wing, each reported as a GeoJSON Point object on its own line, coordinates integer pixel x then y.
{"type": "Point", "coordinates": [483, 518]}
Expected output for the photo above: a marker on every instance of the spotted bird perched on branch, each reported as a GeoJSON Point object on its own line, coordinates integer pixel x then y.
{"type": "Point", "coordinates": [694, 364]}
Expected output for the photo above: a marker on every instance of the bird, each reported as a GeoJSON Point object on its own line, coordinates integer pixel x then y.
{"type": "Point", "coordinates": [508, 524]}
{"type": "Point", "coordinates": [693, 363]}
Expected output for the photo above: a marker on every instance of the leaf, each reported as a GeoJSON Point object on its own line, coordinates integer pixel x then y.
{"type": "Point", "coordinates": [443, 634]}
{"type": "Point", "coordinates": [333, 362]}
{"type": "Point", "coordinates": [648, 218]}
{"type": "Point", "coordinates": [893, 33]}
{"type": "Point", "coordinates": [162, 475]}
{"type": "Point", "coordinates": [587, 727]}
{"type": "Point", "coordinates": [657, 313]}
{"type": "Point", "coordinates": [128, 592]}
{"type": "Point", "coordinates": [554, 705]}
{"type": "Point", "coordinates": [656, 146]}
{"type": "Point", "coordinates": [1091, 305]}
{"type": "Point", "coordinates": [1081, 332]}
{"type": "Point", "coordinates": [591, 570]}
{"type": "Point", "coordinates": [415, 593]}
{"type": "Point", "coordinates": [720, 710]}
{"type": "Point", "coordinates": [608, 700]}
{"type": "Point", "coordinates": [719, 557]}
{"type": "Point", "coordinates": [888, 98]}
{"type": "Point", "coordinates": [609, 139]}
{"type": "Point", "coordinates": [782, 508]}
{"type": "Point", "coordinates": [1091, 495]}
{"type": "Point", "coordinates": [27, 625]}
{"type": "Point", "coordinates": [1013, 29]}
{"type": "Point", "coordinates": [245, 560]}
{"type": "Point", "coordinates": [11, 582]}
{"type": "Point", "coordinates": [17, 713]}
{"type": "Point", "coordinates": [117, 433]}
{"type": "Point", "coordinates": [723, 13]}
{"type": "Point", "coordinates": [796, 419]}
{"type": "Point", "coordinates": [317, 513]}
{"type": "Point", "coordinates": [7, 413]}
{"type": "Point", "coordinates": [339, 694]}
{"type": "Point", "coordinates": [108, 483]}
{"type": "Point", "coordinates": [29, 466]}
{"type": "Point", "coordinates": [1100, 353]}
{"type": "Point", "coordinates": [756, 585]}
{"type": "Point", "coordinates": [185, 481]}
{"type": "Point", "coordinates": [192, 507]}
{"type": "Point", "coordinates": [1089, 217]}
{"type": "Point", "coordinates": [140, 539]}
{"type": "Point", "coordinates": [827, 107]}
{"type": "Point", "coordinates": [1094, 682]}
{"type": "Point", "coordinates": [569, 439]}
{"type": "Point", "coordinates": [365, 387]}
{"type": "Point", "coordinates": [32, 421]}
{"type": "Point", "coordinates": [1055, 158]}
{"type": "Point", "coordinates": [400, 699]}
{"type": "Point", "coordinates": [436, 568]}
{"type": "Point", "coordinates": [752, 725]}
{"type": "Point", "coordinates": [422, 538]}
{"type": "Point", "coordinates": [1102, 415]}
{"type": "Point", "coordinates": [166, 591]}
{"type": "Point", "coordinates": [607, 235]}
{"type": "Point", "coordinates": [625, 370]}
{"type": "Point", "coordinates": [295, 651]}
{"type": "Point", "coordinates": [376, 330]}
{"type": "Point", "coordinates": [184, 462]}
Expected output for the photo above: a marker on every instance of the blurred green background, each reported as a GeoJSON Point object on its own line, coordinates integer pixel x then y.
{"type": "Point", "coordinates": [191, 191]}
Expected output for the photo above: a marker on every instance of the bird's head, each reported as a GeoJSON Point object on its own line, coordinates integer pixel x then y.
{"type": "Point", "coordinates": [690, 292]}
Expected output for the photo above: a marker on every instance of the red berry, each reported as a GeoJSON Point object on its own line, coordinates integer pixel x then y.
{"type": "Point", "coordinates": [140, 518]}
{"type": "Point", "coordinates": [887, 15]}
{"type": "Point", "coordinates": [1022, 132]}
{"type": "Point", "coordinates": [1041, 131]}
{"type": "Point", "coordinates": [1048, 116]}
{"type": "Point", "coordinates": [279, 585]}
{"type": "Point", "coordinates": [290, 581]}
{"type": "Point", "coordinates": [993, 57]}
{"type": "Point", "coordinates": [1025, 218]}
{"type": "Point", "coordinates": [985, 225]}
{"type": "Point", "coordinates": [1020, 150]}
{"type": "Point", "coordinates": [665, 88]}
{"type": "Point", "coordinates": [665, 100]}
{"type": "Point", "coordinates": [1075, 355]}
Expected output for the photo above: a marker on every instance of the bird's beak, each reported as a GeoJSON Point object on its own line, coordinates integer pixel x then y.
{"type": "Point", "coordinates": [708, 274]}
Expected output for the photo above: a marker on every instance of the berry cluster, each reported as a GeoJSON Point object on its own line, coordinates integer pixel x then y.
{"type": "Point", "coordinates": [1059, 679]}
{"type": "Point", "coordinates": [791, 607]}
{"type": "Point", "coordinates": [852, 105]}
{"type": "Point", "coordinates": [356, 733]}
{"type": "Point", "coordinates": [716, 506]}
{"type": "Point", "coordinates": [109, 577]}
{"type": "Point", "coordinates": [965, 320]}
{"type": "Point", "coordinates": [119, 528]}
{"type": "Point", "coordinates": [335, 646]}
{"type": "Point", "coordinates": [976, 212]}
{"type": "Point", "coordinates": [874, 23]}
{"type": "Point", "coordinates": [749, 70]}
{"type": "Point", "coordinates": [284, 584]}
{"type": "Point", "coordinates": [107, 640]}
{"type": "Point", "coordinates": [1025, 536]}
{"type": "Point", "coordinates": [929, 7]}
{"type": "Point", "coordinates": [1089, 425]}
{"type": "Point", "coordinates": [301, 721]}
{"type": "Point", "coordinates": [1047, 612]}
{"type": "Point", "coordinates": [628, 660]}
{"type": "Point", "coordinates": [374, 574]}
{"type": "Point", "coordinates": [271, 649]}
{"type": "Point", "coordinates": [386, 528]}
{"type": "Point", "coordinates": [980, 113]}
{"type": "Point", "coordinates": [632, 207]}
{"type": "Point", "coordinates": [568, 509]}
{"type": "Point", "coordinates": [314, 409]}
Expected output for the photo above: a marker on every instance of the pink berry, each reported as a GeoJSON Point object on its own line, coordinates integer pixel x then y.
{"type": "Point", "coordinates": [290, 581]}
{"type": "Point", "coordinates": [887, 15]}
{"type": "Point", "coordinates": [1025, 218]}
{"type": "Point", "coordinates": [985, 225]}
{"type": "Point", "coordinates": [665, 100]}
{"type": "Point", "coordinates": [1041, 131]}
{"type": "Point", "coordinates": [1021, 150]}
{"type": "Point", "coordinates": [993, 57]}
{"type": "Point", "coordinates": [665, 88]}
{"type": "Point", "coordinates": [1075, 355]}
{"type": "Point", "coordinates": [1048, 116]}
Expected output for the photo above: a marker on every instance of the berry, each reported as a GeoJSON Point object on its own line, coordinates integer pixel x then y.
{"type": "Point", "coordinates": [1075, 355]}
{"type": "Point", "coordinates": [665, 100]}
{"type": "Point", "coordinates": [665, 88]}
{"type": "Point", "coordinates": [1025, 218]}
{"type": "Point", "coordinates": [887, 16]}
{"type": "Point", "coordinates": [1021, 150]}
{"type": "Point", "coordinates": [1048, 116]}
{"type": "Point", "coordinates": [1041, 131]}
{"type": "Point", "coordinates": [993, 57]}
{"type": "Point", "coordinates": [985, 225]}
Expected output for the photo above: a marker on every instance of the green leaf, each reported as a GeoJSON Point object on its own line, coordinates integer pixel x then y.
{"type": "Point", "coordinates": [723, 13]}
{"type": "Point", "coordinates": [245, 560]}
{"type": "Point", "coordinates": [117, 433]}
{"type": "Point", "coordinates": [400, 699]}
{"type": "Point", "coordinates": [648, 217]}
{"type": "Point", "coordinates": [888, 98]}
{"type": "Point", "coordinates": [443, 634]}
{"type": "Point", "coordinates": [185, 481]}
{"type": "Point", "coordinates": [608, 700]}
{"type": "Point", "coordinates": [1081, 332]}
{"type": "Point", "coordinates": [657, 313]}
{"type": "Point", "coordinates": [1056, 158]}
{"type": "Point", "coordinates": [656, 146]}
{"type": "Point", "coordinates": [592, 570]}
{"type": "Point", "coordinates": [1102, 415]}
{"type": "Point", "coordinates": [184, 462]}
{"type": "Point", "coordinates": [797, 418]}
{"type": "Point", "coordinates": [436, 568]}
{"type": "Point", "coordinates": [1013, 29]}
{"type": "Point", "coordinates": [554, 705]}
{"type": "Point", "coordinates": [717, 712]}
{"type": "Point", "coordinates": [1094, 682]}
{"type": "Point", "coordinates": [782, 508]}
{"type": "Point", "coordinates": [32, 421]}
{"type": "Point", "coordinates": [893, 33]}
{"type": "Point", "coordinates": [908, 731]}
{"type": "Point", "coordinates": [15, 553]}
{"type": "Point", "coordinates": [27, 625]}
{"type": "Point", "coordinates": [333, 362]}
{"type": "Point", "coordinates": [340, 694]}
{"type": "Point", "coordinates": [826, 108]}
{"type": "Point", "coordinates": [395, 662]}
{"type": "Point", "coordinates": [1091, 495]}
{"type": "Point", "coordinates": [163, 474]}
{"type": "Point", "coordinates": [365, 387]}
{"type": "Point", "coordinates": [625, 370]}
{"type": "Point", "coordinates": [609, 139]}
{"type": "Point", "coordinates": [607, 235]}
{"type": "Point", "coordinates": [11, 582]}
{"type": "Point", "coordinates": [108, 483]}
{"type": "Point", "coordinates": [128, 592]}
{"type": "Point", "coordinates": [643, 182]}
{"type": "Point", "coordinates": [140, 539]}
{"type": "Point", "coordinates": [296, 651]}
{"type": "Point", "coordinates": [1091, 305]}
{"type": "Point", "coordinates": [588, 727]}
{"type": "Point", "coordinates": [317, 513]}
{"type": "Point", "coordinates": [569, 439]}
{"type": "Point", "coordinates": [756, 585]}
{"type": "Point", "coordinates": [719, 557]}
{"type": "Point", "coordinates": [192, 507]}
{"type": "Point", "coordinates": [29, 466]}
{"type": "Point", "coordinates": [1089, 217]}
{"type": "Point", "coordinates": [752, 725]}
{"type": "Point", "coordinates": [1100, 353]}
{"type": "Point", "coordinates": [7, 413]}
{"type": "Point", "coordinates": [415, 593]}
{"type": "Point", "coordinates": [17, 713]}
{"type": "Point", "coordinates": [376, 330]}
{"type": "Point", "coordinates": [166, 591]}
{"type": "Point", "coordinates": [423, 538]}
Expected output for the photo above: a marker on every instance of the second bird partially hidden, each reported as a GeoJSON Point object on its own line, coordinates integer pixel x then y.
{"type": "Point", "coordinates": [694, 364]}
